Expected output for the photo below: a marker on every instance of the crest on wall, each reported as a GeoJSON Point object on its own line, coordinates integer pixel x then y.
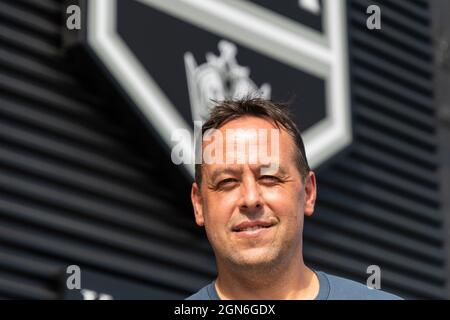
{"type": "Point", "coordinates": [219, 78]}
{"type": "Point", "coordinates": [273, 48]}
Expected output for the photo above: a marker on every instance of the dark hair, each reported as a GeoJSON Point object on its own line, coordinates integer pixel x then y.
{"type": "Point", "coordinates": [228, 110]}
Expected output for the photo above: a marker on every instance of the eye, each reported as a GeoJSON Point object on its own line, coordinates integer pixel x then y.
{"type": "Point", "coordinates": [226, 182]}
{"type": "Point", "coordinates": [270, 179]}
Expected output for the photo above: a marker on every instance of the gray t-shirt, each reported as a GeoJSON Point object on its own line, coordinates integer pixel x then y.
{"type": "Point", "coordinates": [331, 288]}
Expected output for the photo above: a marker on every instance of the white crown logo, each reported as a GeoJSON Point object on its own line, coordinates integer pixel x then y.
{"type": "Point", "coordinates": [221, 77]}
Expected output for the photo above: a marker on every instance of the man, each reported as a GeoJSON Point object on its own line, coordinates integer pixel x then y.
{"type": "Point", "coordinates": [252, 206]}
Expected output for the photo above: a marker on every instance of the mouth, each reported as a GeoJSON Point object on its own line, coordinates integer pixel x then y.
{"type": "Point", "coordinates": [252, 229]}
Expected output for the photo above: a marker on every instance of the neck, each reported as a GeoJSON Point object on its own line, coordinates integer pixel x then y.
{"type": "Point", "coordinates": [291, 280]}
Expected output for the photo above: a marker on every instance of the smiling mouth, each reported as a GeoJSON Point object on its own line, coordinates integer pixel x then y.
{"type": "Point", "coordinates": [251, 228]}
{"type": "Point", "coordinates": [255, 232]}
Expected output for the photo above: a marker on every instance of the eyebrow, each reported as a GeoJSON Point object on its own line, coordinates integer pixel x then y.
{"type": "Point", "coordinates": [218, 172]}
{"type": "Point", "coordinates": [232, 171]}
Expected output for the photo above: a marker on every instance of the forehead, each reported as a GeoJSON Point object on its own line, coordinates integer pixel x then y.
{"type": "Point", "coordinates": [249, 123]}
{"type": "Point", "coordinates": [247, 140]}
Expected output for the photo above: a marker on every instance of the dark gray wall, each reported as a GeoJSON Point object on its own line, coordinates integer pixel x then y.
{"type": "Point", "coordinates": [80, 183]}
{"type": "Point", "coordinates": [381, 203]}
{"type": "Point", "coordinates": [76, 184]}
{"type": "Point", "coordinates": [441, 39]}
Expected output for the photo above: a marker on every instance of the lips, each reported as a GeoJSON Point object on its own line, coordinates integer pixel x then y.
{"type": "Point", "coordinates": [248, 226]}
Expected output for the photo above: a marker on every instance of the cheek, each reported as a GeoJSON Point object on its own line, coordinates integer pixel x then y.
{"type": "Point", "coordinates": [287, 206]}
{"type": "Point", "coordinates": [283, 198]}
{"type": "Point", "coordinates": [218, 209]}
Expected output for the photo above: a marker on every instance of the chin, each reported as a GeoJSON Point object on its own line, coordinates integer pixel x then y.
{"type": "Point", "coordinates": [256, 257]}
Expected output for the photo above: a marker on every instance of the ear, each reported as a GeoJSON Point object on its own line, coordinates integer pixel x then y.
{"type": "Point", "coordinates": [197, 203]}
{"type": "Point", "coordinates": [310, 193]}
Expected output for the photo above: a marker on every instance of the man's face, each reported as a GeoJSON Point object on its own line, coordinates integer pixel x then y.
{"type": "Point", "coordinates": [253, 217]}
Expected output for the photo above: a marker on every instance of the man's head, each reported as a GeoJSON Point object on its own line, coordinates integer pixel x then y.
{"type": "Point", "coordinates": [253, 218]}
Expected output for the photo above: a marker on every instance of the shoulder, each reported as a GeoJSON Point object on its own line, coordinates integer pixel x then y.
{"type": "Point", "coordinates": [202, 294]}
{"type": "Point", "coordinates": [345, 289]}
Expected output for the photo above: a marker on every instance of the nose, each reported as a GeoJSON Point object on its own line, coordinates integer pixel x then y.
{"type": "Point", "coordinates": [251, 199]}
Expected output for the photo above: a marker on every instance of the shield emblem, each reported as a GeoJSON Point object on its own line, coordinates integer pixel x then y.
{"type": "Point", "coordinates": [172, 57]}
